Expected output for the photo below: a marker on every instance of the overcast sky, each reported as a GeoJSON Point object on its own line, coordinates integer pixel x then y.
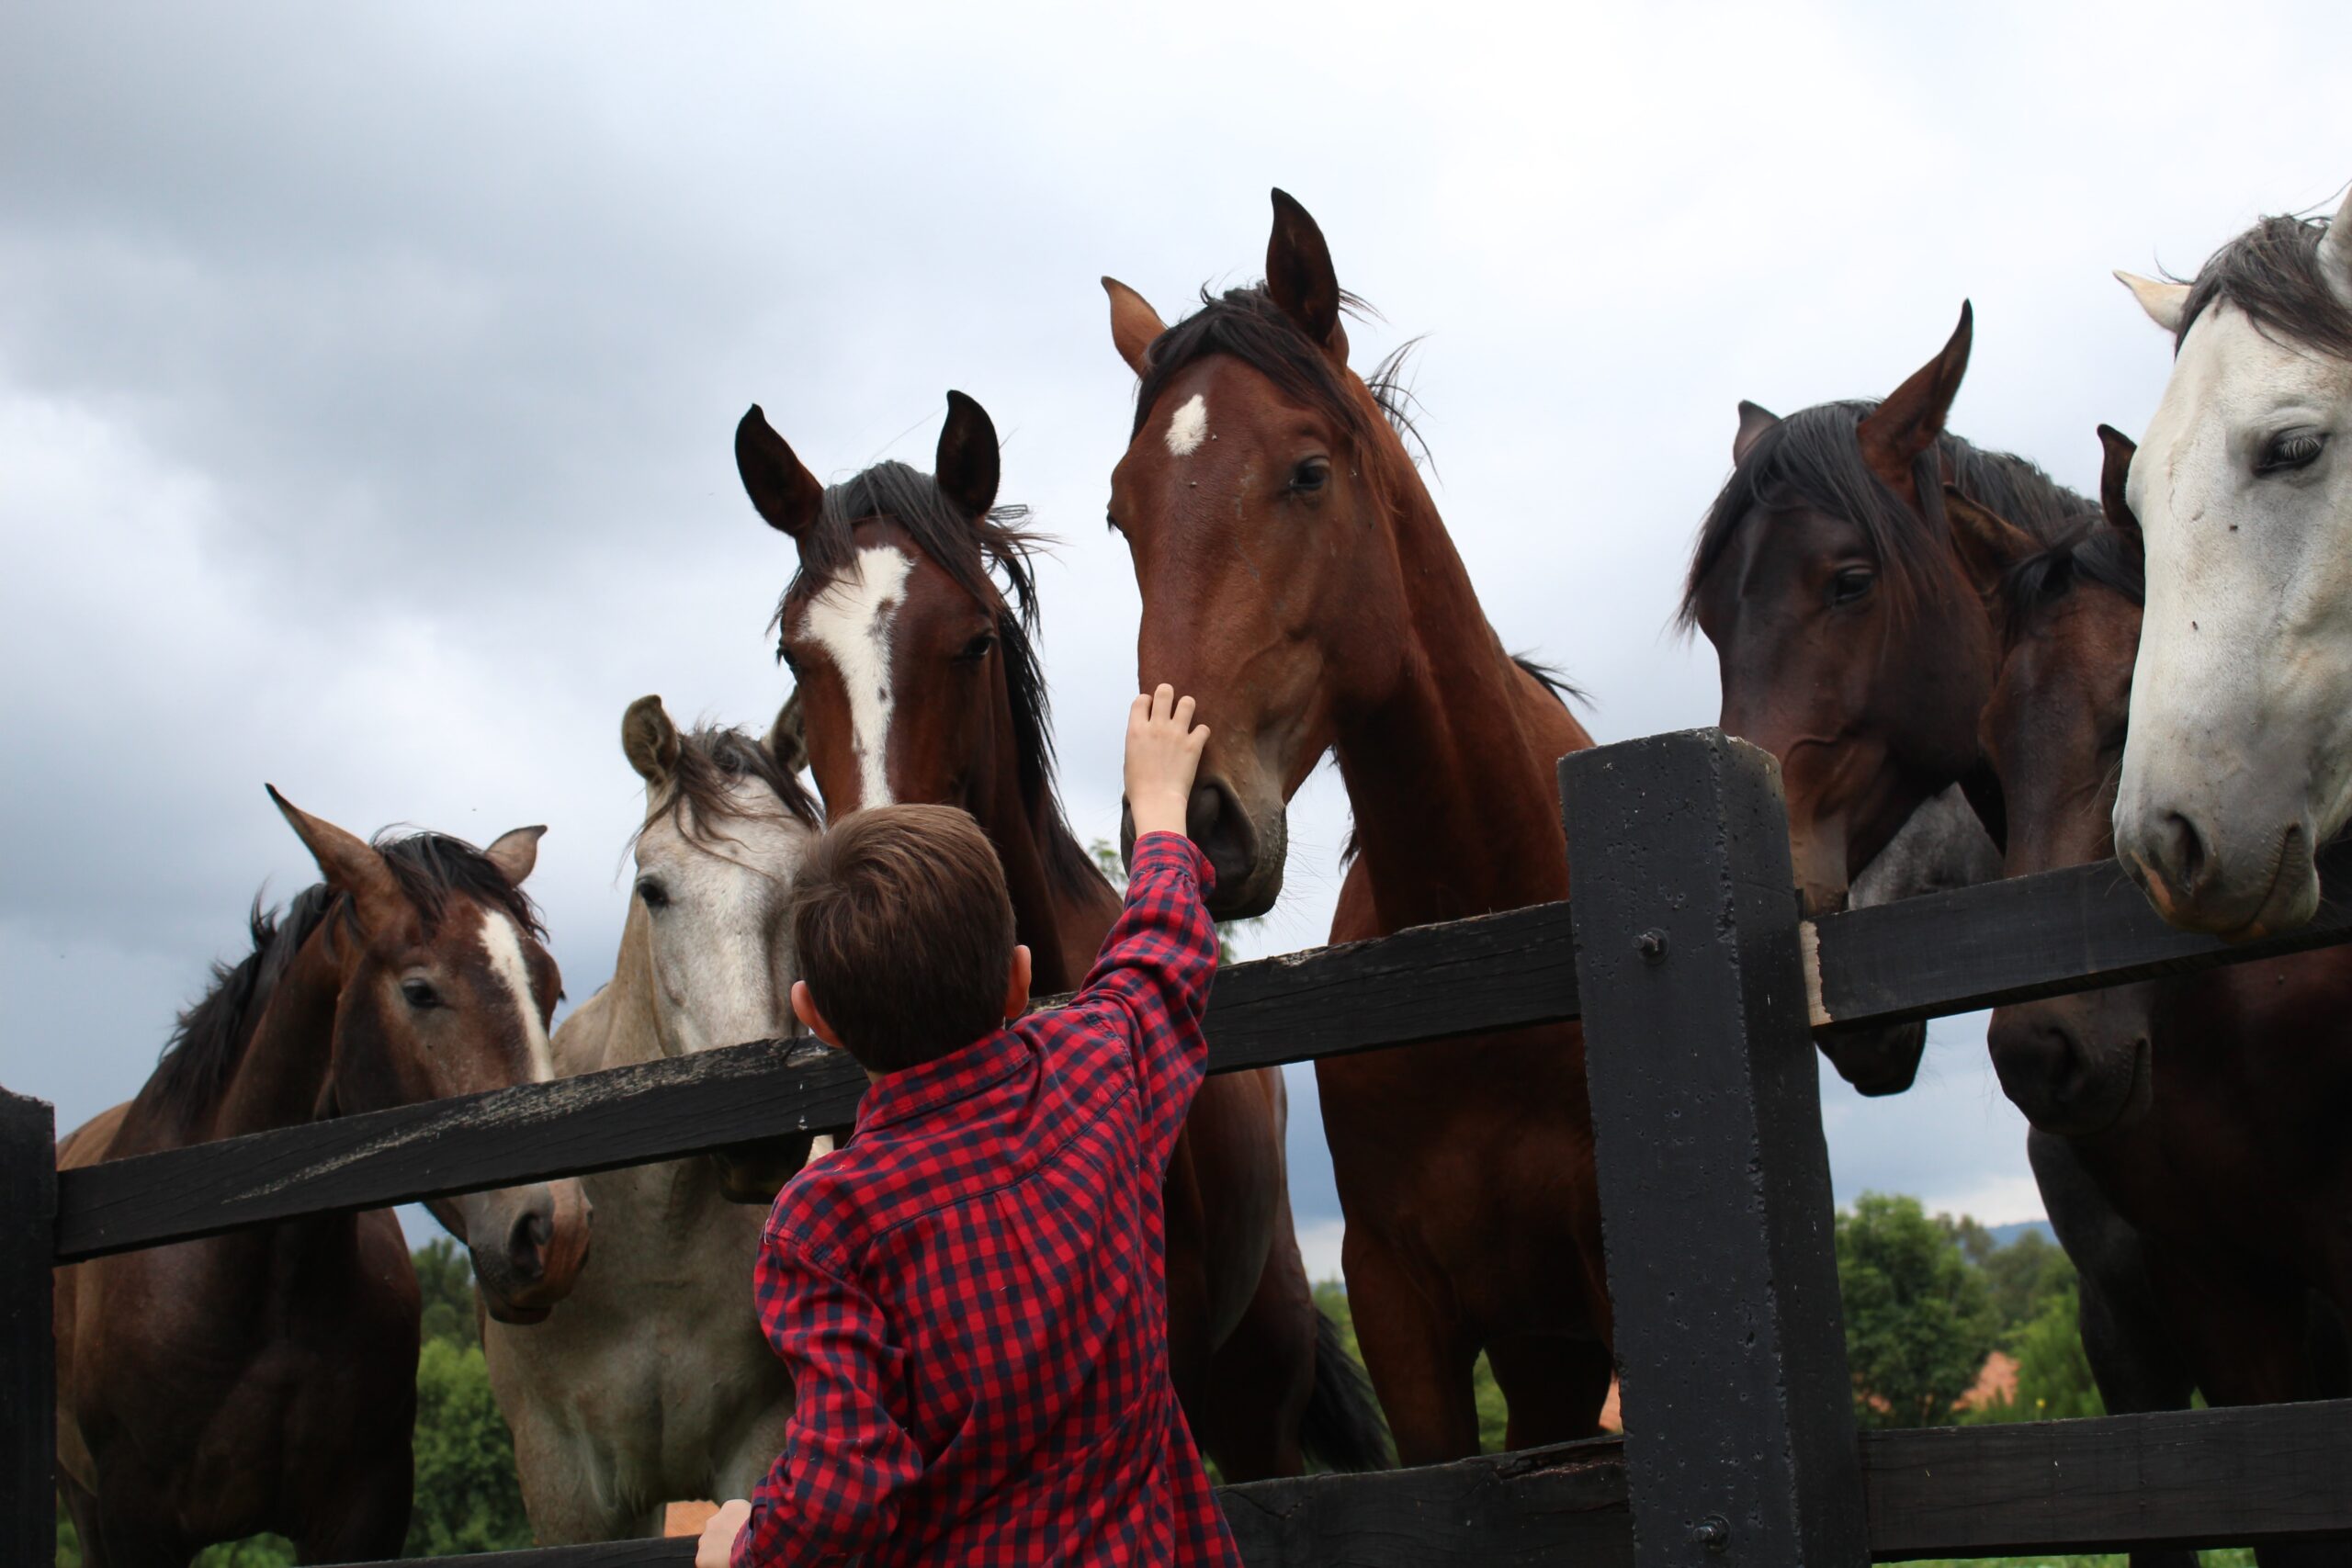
{"type": "Point", "coordinates": [367, 375]}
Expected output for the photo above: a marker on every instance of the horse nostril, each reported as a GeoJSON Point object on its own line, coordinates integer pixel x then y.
{"type": "Point", "coordinates": [527, 1249]}
{"type": "Point", "coordinates": [2185, 848]}
{"type": "Point", "coordinates": [1203, 812]}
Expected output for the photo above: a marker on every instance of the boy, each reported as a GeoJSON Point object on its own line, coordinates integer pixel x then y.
{"type": "Point", "coordinates": [970, 1293]}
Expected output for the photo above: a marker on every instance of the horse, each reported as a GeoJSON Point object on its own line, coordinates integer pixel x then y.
{"type": "Point", "coordinates": [1852, 644]}
{"type": "Point", "coordinates": [2239, 764]}
{"type": "Point", "coordinates": [1297, 579]}
{"type": "Point", "coordinates": [918, 678]}
{"type": "Point", "coordinates": [2204, 1107]}
{"type": "Point", "coordinates": [266, 1379]}
{"type": "Point", "coordinates": [654, 1383]}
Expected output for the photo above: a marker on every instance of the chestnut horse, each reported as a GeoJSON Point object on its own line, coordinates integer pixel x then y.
{"type": "Point", "coordinates": [919, 681]}
{"type": "Point", "coordinates": [266, 1379]}
{"type": "Point", "coordinates": [2206, 1108]}
{"type": "Point", "coordinates": [1297, 580]}
{"type": "Point", "coordinates": [1852, 645]}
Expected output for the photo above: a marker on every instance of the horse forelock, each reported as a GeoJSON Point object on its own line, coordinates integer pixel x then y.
{"type": "Point", "coordinates": [1813, 459]}
{"type": "Point", "coordinates": [2273, 272]}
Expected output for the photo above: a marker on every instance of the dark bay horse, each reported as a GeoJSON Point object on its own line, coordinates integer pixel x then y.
{"type": "Point", "coordinates": [1852, 644]}
{"type": "Point", "coordinates": [1297, 579]}
{"type": "Point", "coordinates": [266, 1379]}
{"type": "Point", "coordinates": [918, 680]}
{"type": "Point", "coordinates": [2207, 1109]}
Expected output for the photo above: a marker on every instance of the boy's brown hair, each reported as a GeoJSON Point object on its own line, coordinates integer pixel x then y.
{"type": "Point", "coordinates": [904, 932]}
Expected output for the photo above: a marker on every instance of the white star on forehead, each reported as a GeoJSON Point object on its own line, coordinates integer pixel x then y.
{"type": "Point", "coordinates": [1190, 427]}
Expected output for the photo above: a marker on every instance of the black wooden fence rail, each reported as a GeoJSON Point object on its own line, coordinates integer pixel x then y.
{"type": "Point", "coordinates": [1701, 989]}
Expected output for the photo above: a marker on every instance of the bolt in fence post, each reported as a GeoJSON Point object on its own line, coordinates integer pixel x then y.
{"type": "Point", "coordinates": [27, 1351]}
{"type": "Point", "coordinates": [1714, 1179]}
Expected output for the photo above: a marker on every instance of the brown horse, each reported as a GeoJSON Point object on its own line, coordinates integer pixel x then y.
{"type": "Point", "coordinates": [1297, 579]}
{"type": "Point", "coordinates": [2207, 1109]}
{"type": "Point", "coordinates": [919, 681]}
{"type": "Point", "coordinates": [266, 1379]}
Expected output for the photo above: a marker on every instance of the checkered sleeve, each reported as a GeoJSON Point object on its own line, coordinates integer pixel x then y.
{"type": "Point", "coordinates": [1151, 981]}
{"type": "Point", "coordinates": [833, 1493]}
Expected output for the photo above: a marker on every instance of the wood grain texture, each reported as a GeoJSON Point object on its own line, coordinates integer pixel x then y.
{"type": "Point", "coordinates": [1460, 979]}
{"type": "Point", "coordinates": [1715, 1178]}
{"type": "Point", "coordinates": [27, 1351]}
{"type": "Point", "coordinates": [2075, 930]}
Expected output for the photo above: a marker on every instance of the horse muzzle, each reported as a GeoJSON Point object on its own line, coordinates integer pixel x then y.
{"type": "Point", "coordinates": [528, 1245]}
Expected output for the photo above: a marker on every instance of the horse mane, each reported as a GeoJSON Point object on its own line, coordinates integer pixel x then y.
{"type": "Point", "coordinates": [990, 560]}
{"type": "Point", "coordinates": [711, 760]}
{"type": "Point", "coordinates": [2272, 273]}
{"type": "Point", "coordinates": [1248, 325]}
{"type": "Point", "coordinates": [2093, 552]}
{"type": "Point", "coordinates": [1811, 458]}
{"type": "Point", "coordinates": [209, 1039]}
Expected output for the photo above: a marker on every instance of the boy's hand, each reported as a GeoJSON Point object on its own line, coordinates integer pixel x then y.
{"type": "Point", "coordinates": [1163, 753]}
{"type": "Point", "coordinates": [717, 1549]}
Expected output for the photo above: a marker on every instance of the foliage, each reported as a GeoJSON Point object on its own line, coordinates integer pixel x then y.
{"type": "Point", "coordinates": [445, 1278]}
{"type": "Point", "coordinates": [1918, 1318]}
{"type": "Point", "coordinates": [2023, 1277]}
{"type": "Point", "coordinates": [2054, 1374]}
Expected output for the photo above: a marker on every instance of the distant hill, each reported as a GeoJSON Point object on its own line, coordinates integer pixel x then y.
{"type": "Point", "coordinates": [2004, 1234]}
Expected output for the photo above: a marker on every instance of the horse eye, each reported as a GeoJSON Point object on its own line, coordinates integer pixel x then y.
{"type": "Point", "coordinates": [784, 657]}
{"type": "Point", "coordinates": [977, 648]}
{"type": "Point", "coordinates": [2291, 450]}
{"type": "Point", "coordinates": [1850, 584]}
{"type": "Point", "coordinates": [420, 994]}
{"type": "Point", "coordinates": [1311, 475]}
{"type": "Point", "coordinates": [656, 897]}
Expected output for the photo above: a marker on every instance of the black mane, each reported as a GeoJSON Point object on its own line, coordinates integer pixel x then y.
{"type": "Point", "coordinates": [2093, 552]}
{"type": "Point", "coordinates": [210, 1038]}
{"type": "Point", "coordinates": [1248, 325]}
{"type": "Point", "coordinates": [2272, 273]}
{"type": "Point", "coordinates": [1811, 458]}
{"type": "Point", "coordinates": [711, 758]}
{"type": "Point", "coordinates": [972, 557]}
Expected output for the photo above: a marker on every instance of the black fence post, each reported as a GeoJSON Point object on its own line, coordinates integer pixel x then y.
{"type": "Point", "coordinates": [27, 1351]}
{"type": "Point", "coordinates": [1714, 1179]}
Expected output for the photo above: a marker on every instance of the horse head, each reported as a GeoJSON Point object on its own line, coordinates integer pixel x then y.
{"type": "Point", "coordinates": [2068, 615]}
{"type": "Point", "coordinates": [446, 990]}
{"type": "Point", "coordinates": [2240, 760]}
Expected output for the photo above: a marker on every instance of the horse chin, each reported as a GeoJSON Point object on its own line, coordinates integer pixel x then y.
{"type": "Point", "coordinates": [1878, 1062]}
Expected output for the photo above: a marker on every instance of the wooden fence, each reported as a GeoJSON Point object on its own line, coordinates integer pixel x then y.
{"type": "Point", "coordinates": [1701, 989]}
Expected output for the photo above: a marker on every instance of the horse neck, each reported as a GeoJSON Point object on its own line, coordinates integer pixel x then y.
{"type": "Point", "coordinates": [1061, 927]}
{"type": "Point", "coordinates": [282, 1074]}
{"type": "Point", "coordinates": [1451, 774]}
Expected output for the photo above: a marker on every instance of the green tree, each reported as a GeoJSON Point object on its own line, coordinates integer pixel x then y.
{"type": "Point", "coordinates": [2023, 1277]}
{"type": "Point", "coordinates": [444, 1279]}
{"type": "Point", "coordinates": [2054, 1373]}
{"type": "Point", "coordinates": [1918, 1318]}
{"type": "Point", "coordinates": [466, 1496]}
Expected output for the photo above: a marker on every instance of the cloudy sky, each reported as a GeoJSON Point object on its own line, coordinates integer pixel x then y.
{"type": "Point", "coordinates": [367, 377]}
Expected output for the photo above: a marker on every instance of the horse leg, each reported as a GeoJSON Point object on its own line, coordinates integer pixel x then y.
{"type": "Point", "coordinates": [1419, 1355]}
{"type": "Point", "coordinates": [1260, 1378]}
{"type": "Point", "coordinates": [1552, 1386]}
{"type": "Point", "coordinates": [2134, 1359]}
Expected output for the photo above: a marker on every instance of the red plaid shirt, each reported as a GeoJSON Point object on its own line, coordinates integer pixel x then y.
{"type": "Point", "coordinates": [972, 1292]}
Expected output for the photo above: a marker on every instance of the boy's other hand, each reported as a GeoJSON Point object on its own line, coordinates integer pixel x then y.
{"type": "Point", "coordinates": [717, 1549]}
{"type": "Point", "coordinates": [1163, 753]}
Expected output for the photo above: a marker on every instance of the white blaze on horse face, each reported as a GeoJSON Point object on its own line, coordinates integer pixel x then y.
{"type": "Point", "coordinates": [850, 621]}
{"type": "Point", "coordinates": [2241, 724]}
{"type": "Point", "coordinates": [1190, 427]}
{"type": "Point", "coordinates": [503, 945]}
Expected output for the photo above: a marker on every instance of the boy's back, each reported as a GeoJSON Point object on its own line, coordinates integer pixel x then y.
{"type": "Point", "coordinates": [971, 1295]}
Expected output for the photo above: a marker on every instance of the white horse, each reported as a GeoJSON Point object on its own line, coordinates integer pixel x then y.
{"type": "Point", "coordinates": [652, 1383]}
{"type": "Point", "coordinates": [2238, 763]}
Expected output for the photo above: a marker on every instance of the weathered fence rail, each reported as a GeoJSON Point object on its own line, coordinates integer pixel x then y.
{"type": "Point", "coordinates": [1701, 989]}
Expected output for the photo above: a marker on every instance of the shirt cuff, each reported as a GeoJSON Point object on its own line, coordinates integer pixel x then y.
{"type": "Point", "coordinates": [1165, 850]}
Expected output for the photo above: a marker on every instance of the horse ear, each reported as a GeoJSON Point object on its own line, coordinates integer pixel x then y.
{"type": "Point", "coordinates": [515, 852]}
{"type": "Point", "coordinates": [2165, 303]}
{"type": "Point", "coordinates": [2115, 468]}
{"type": "Point", "coordinates": [349, 864]}
{"type": "Point", "coordinates": [1299, 275]}
{"type": "Point", "coordinates": [786, 494]}
{"type": "Point", "coordinates": [1134, 325]}
{"type": "Point", "coordinates": [1988, 543]}
{"type": "Point", "coordinates": [1754, 420]}
{"type": "Point", "coordinates": [1896, 433]}
{"type": "Point", "coordinates": [2335, 249]}
{"type": "Point", "coordinates": [966, 468]}
{"type": "Point", "coordinates": [788, 740]}
{"type": "Point", "coordinates": [650, 740]}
